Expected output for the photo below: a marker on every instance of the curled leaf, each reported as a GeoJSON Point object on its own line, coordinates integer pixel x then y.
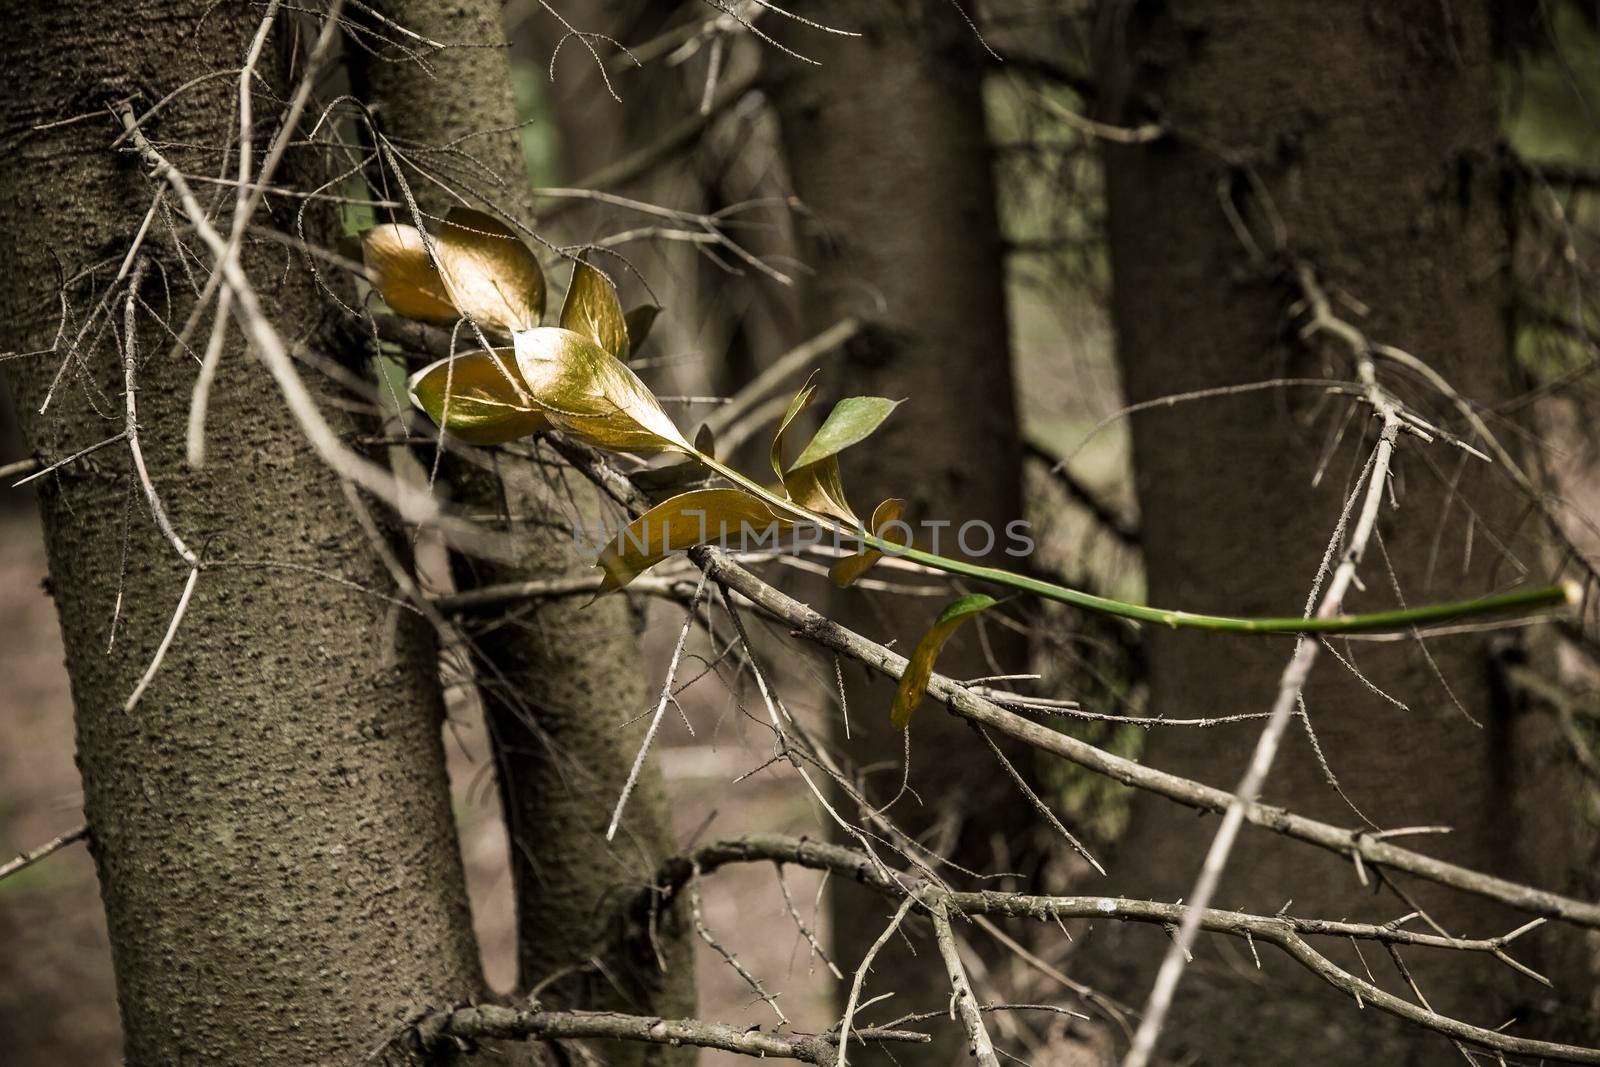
{"type": "Point", "coordinates": [851, 421]}
{"type": "Point", "coordinates": [592, 310]}
{"type": "Point", "coordinates": [847, 570]}
{"type": "Point", "coordinates": [703, 516]}
{"type": "Point", "coordinates": [705, 440]}
{"type": "Point", "coordinates": [404, 276]}
{"type": "Point", "coordinates": [920, 667]}
{"type": "Point", "coordinates": [816, 486]}
{"type": "Point", "coordinates": [592, 395]}
{"type": "Point", "coordinates": [484, 272]}
{"type": "Point", "coordinates": [801, 399]}
{"type": "Point", "coordinates": [639, 321]}
{"type": "Point", "coordinates": [478, 397]}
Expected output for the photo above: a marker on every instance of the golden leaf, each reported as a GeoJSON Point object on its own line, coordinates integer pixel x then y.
{"type": "Point", "coordinates": [488, 273]}
{"type": "Point", "coordinates": [818, 488]}
{"type": "Point", "coordinates": [403, 275]}
{"type": "Point", "coordinates": [590, 394]}
{"type": "Point", "coordinates": [591, 310]}
{"type": "Point", "coordinates": [920, 667]}
{"type": "Point", "coordinates": [487, 404]}
{"type": "Point", "coordinates": [492, 276]}
{"type": "Point", "coordinates": [703, 516]}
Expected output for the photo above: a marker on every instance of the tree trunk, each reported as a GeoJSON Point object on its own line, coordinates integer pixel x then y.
{"type": "Point", "coordinates": [559, 678]}
{"type": "Point", "coordinates": [886, 143]}
{"type": "Point", "coordinates": [271, 822]}
{"type": "Point", "coordinates": [1372, 128]}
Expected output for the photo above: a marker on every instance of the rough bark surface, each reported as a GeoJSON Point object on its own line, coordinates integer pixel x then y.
{"type": "Point", "coordinates": [1373, 129]}
{"type": "Point", "coordinates": [558, 679]}
{"type": "Point", "coordinates": [887, 148]}
{"type": "Point", "coordinates": [271, 822]}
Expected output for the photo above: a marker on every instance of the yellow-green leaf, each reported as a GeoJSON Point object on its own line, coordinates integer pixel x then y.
{"type": "Point", "coordinates": [851, 421]}
{"type": "Point", "coordinates": [491, 276]}
{"type": "Point", "coordinates": [403, 275]}
{"type": "Point", "coordinates": [587, 392]}
{"type": "Point", "coordinates": [699, 517]}
{"type": "Point", "coordinates": [920, 667]}
{"type": "Point", "coordinates": [796, 405]}
{"type": "Point", "coordinates": [592, 310]}
{"type": "Point", "coordinates": [639, 321]}
{"type": "Point", "coordinates": [847, 570]}
{"type": "Point", "coordinates": [478, 397]}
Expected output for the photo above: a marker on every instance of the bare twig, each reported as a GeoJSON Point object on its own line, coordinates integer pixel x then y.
{"type": "Point", "coordinates": [847, 1020]}
{"type": "Point", "coordinates": [661, 708]}
{"type": "Point", "coordinates": [1294, 677]}
{"type": "Point", "coordinates": [32, 856]}
{"type": "Point", "coordinates": [490, 1021]}
{"type": "Point", "coordinates": [963, 1003]}
{"type": "Point", "coordinates": [1287, 932]}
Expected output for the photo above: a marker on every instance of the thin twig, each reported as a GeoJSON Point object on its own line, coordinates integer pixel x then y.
{"type": "Point", "coordinates": [56, 844]}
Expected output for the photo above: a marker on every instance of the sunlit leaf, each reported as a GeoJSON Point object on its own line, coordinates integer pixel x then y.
{"type": "Point", "coordinates": [852, 420]}
{"type": "Point", "coordinates": [487, 403]}
{"type": "Point", "coordinates": [920, 668]}
{"type": "Point", "coordinates": [398, 262]}
{"type": "Point", "coordinates": [592, 310]}
{"type": "Point", "coordinates": [704, 516]}
{"type": "Point", "coordinates": [639, 321]}
{"type": "Point", "coordinates": [847, 570]}
{"type": "Point", "coordinates": [592, 395]}
{"type": "Point", "coordinates": [492, 276]}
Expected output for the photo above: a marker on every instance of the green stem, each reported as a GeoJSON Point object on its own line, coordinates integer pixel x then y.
{"type": "Point", "coordinates": [1397, 619]}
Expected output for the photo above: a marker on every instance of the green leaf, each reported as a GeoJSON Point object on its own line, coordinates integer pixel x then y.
{"type": "Point", "coordinates": [592, 310]}
{"type": "Point", "coordinates": [920, 667]}
{"type": "Point", "coordinates": [590, 394]}
{"type": "Point", "coordinates": [639, 321]}
{"type": "Point", "coordinates": [702, 516]}
{"type": "Point", "coordinates": [852, 420]}
{"type": "Point", "coordinates": [478, 397]}
{"type": "Point", "coordinates": [847, 570]}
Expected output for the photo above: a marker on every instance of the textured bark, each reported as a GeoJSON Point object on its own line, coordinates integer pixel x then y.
{"type": "Point", "coordinates": [1373, 127]}
{"type": "Point", "coordinates": [271, 823]}
{"type": "Point", "coordinates": [557, 679]}
{"type": "Point", "coordinates": [887, 147]}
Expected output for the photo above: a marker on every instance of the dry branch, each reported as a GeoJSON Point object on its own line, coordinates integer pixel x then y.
{"type": "Point", "coordinates": [490, 1021]}
{"type": "Point", "coordinates": [811, 625]}
{"type": "Point", "coordinates": [1287, 932]}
